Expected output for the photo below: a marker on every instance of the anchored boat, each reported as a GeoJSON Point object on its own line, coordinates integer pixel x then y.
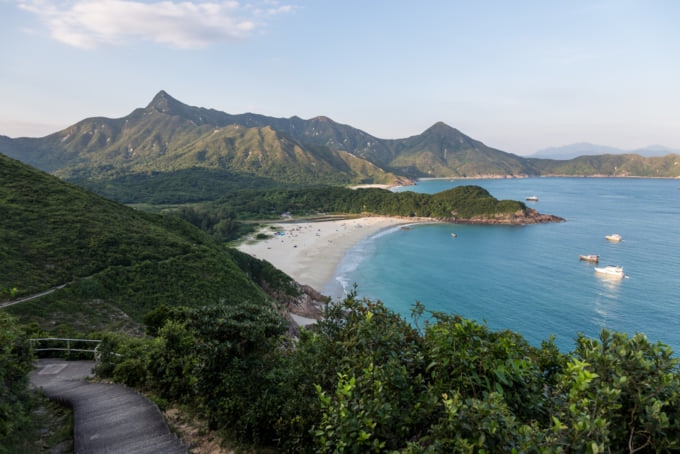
{"type": "Point", "coordinates": [610, 270]}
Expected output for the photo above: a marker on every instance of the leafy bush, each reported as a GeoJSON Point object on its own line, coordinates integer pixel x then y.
{"type": "Point", "coordinates": [620, 393]}
{"type": "Point", "coordinates": [15, 364]}
{"type": "Point", "coordinates": [365, 380]}
{"type": "Point", "coordinates": [123, 359]}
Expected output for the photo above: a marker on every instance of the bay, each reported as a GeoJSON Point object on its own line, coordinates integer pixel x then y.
{"type": "Point", "coordinates": [529, 279]}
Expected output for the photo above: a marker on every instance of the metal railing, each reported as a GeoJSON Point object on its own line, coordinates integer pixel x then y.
{"type": "Point", "coordinates": [65, 344]}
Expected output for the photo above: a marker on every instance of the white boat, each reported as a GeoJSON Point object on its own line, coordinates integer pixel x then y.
{"type": "Point", "coordinates": [615, 237]}
{"type": "Point", "coordinates": [453, 234]}
{"type": "Point", "coordinates": [532, 198]}
{"type": "Point", "coordinates": [610, 270]}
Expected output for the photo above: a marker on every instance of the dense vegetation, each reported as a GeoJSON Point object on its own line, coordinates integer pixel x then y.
{"type": "Point", "coordinates": [15, 363]}
{"type": "Point", "coordinates": [169, 188]}
{"type": "Point", "coordinates": [463, 202]}
{"type": "Point", "coordinates": [116, 263]}
{"type": "Point", "coordinates": [53, 231]}
{"type": "Point", "coordinates": [29, 422]}
{"type": "Point", "coordinates": [467, 201]}
{"type": "Point", "coordinates": [365, 380]}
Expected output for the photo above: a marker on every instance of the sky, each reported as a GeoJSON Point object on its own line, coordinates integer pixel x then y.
{"type": "Point", "coordinates": [517, 75]}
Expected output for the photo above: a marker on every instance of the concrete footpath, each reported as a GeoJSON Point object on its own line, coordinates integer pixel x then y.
{"type": "Point", "coordinates": [107, 418]}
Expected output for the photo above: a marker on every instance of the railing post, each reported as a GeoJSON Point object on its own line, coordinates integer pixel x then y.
{"type": "Point", "coordinates": [35, 345]}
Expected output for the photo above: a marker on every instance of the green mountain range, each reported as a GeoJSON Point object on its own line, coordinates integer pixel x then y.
{"type": "Point", "coordinates": [110, 264]}
{"type": "Point", "coordinates": [170, 152]}
{"type": "Point", "coordinates": [168, 140]}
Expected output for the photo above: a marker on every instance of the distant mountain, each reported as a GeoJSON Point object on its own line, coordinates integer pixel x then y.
{"type": "Point", "coordinates": [443, 151]}
{"type": "Point", "coordinates": [654, 150]}
{"type": "Point", "coordinates": [588, 149]}
{"type": "Point", "coordinates": [168, 136]}
{"type": "Point", "coordinates": [118, 262]}
{"type": "Point", "coordinates": [170, 152]}
{"type": "Point", "coordinates": [612, 165]}
{"type": "Point", "coordinates": [153, 148]}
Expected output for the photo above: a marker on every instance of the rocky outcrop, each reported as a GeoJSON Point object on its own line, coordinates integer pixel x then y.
{"type": "Point", "coordinates": [309, 303]}
{"type": "Point", "coordinates": [521, 217]}
{"type": "Point", "coordinates": [302, 309]}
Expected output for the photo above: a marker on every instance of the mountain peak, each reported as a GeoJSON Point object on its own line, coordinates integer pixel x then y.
{"type": "Point", "coordinates": [442, 128]}
{"type": "Point", "coordinates": [165, 103]}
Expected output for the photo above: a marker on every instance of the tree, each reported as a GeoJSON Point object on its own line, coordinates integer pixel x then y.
{"type": "Point", "coordinates": [235, 347]}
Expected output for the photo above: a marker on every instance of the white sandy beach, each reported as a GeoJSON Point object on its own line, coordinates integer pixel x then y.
{"type": "Point", "coordinates": [309, 252]}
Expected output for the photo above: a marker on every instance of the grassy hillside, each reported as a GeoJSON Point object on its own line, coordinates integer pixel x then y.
{"type": "Point", "coordinates": [443, 151]}
{"type": "Point", "coordinates": [172, 153]}
{"type": "Point", "coordinates": [168, 139]}
{"type": "Point", "coordinates": [123, 261]}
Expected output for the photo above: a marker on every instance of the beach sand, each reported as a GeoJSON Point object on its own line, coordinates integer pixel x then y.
{"type": "Point", "coordinates": [310, 252]}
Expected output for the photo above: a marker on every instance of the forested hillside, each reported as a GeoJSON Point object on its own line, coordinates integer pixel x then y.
{"type": "Point", "coordinates": [457, 204]}
{"type": "Point", "coordinates": [112, 259]}
{"type": "Point", "coordinates": [613, 165]}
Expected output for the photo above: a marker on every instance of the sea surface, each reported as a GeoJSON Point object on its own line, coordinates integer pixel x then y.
{"type": "Point", "coordinates": [529, 279]}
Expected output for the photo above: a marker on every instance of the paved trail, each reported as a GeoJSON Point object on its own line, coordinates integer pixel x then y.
{"type": "Point", "coordinates": [31, 297]}
{"type": "Point", "coordinates": [107, 418]}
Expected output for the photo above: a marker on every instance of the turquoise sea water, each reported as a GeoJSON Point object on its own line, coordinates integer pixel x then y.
{"type": "Point", "coordinates": [529, 278]}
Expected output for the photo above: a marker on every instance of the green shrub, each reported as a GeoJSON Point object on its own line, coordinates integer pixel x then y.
{"type": "Point", "coordinates": [15, 364]}
{"type": "Point", "coordinates": [364, 380]}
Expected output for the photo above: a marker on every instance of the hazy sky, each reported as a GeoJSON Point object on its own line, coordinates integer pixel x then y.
{"type": "Point", "coordinates": [517, 75]}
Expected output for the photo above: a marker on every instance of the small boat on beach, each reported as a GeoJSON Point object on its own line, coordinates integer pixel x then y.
{"type": "Point", "coordinates": [614, 237]}
{"type": "Point", "coordinates": [610, 270]}
{"type": "Point", "coordinates": [532, 198]}
{"type": "Point", "coordinates": [590, 258]}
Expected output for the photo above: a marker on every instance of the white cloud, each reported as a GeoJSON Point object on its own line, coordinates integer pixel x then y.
{"type": "Point", "coordinates": [180, 24]}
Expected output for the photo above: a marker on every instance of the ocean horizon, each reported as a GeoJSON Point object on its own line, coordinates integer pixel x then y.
{"type": "Point", "coordinates": [529, 279]}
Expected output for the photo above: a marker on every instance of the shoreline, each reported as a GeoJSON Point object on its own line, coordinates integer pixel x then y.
{"type": "Point", "coordinates": [310, 252]}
